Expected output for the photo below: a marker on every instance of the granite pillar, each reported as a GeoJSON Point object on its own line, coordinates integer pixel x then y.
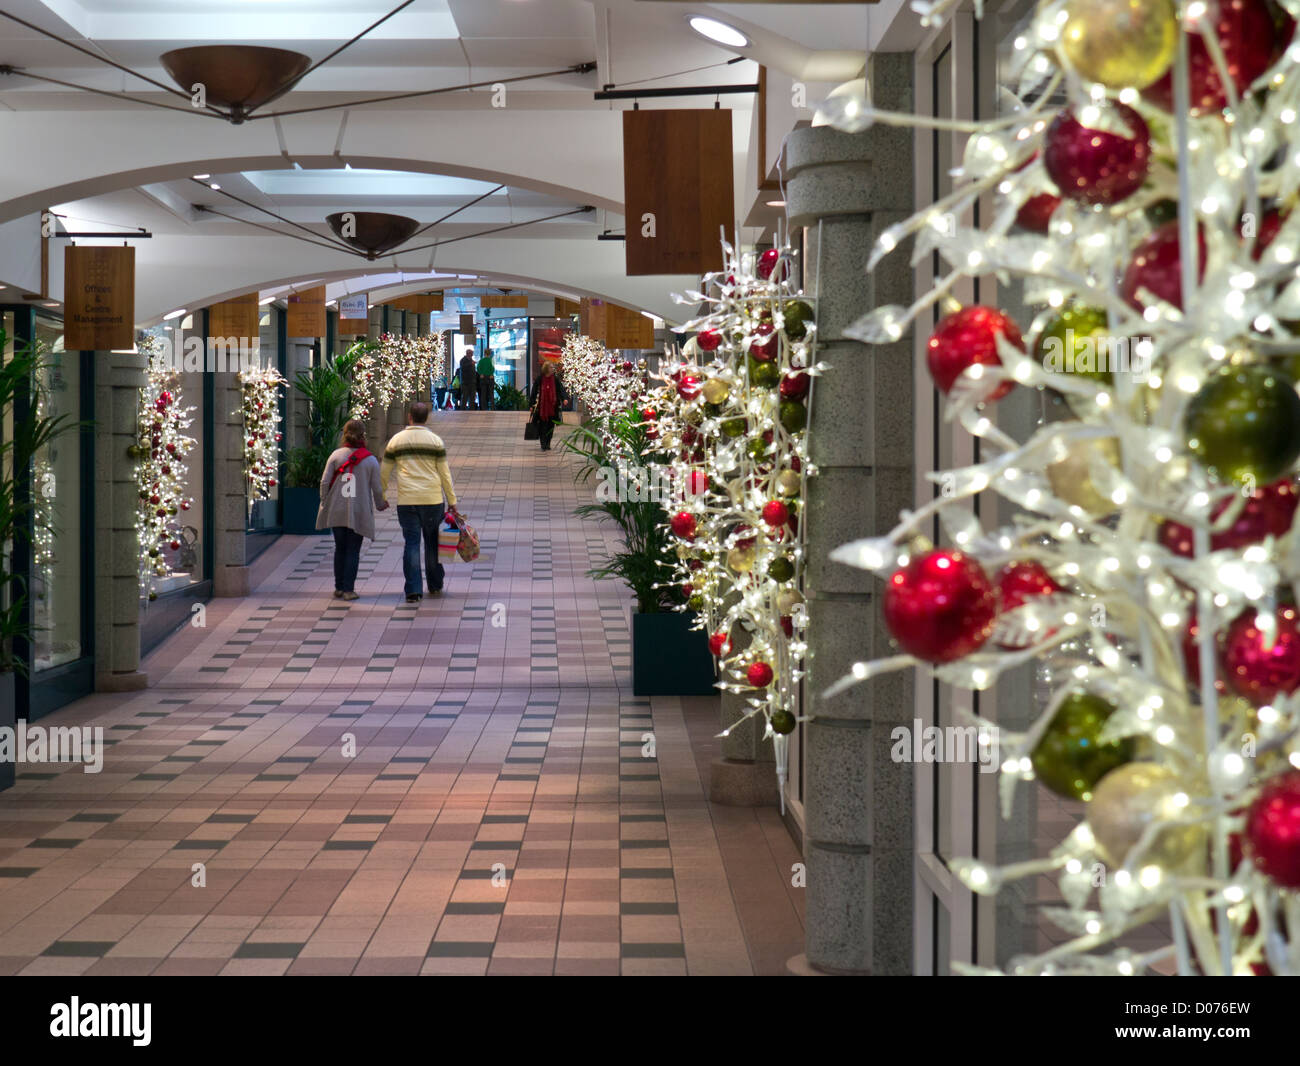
{"type": "Point", "coordinates": [231, 575]}
{"type": "Point", "coordinates": [118, 381]}
{"type": "Point", "coordinates": [858, 840]}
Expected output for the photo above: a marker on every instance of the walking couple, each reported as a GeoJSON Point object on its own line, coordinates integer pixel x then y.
{"type": "Point", "coordinates": [352, 490]}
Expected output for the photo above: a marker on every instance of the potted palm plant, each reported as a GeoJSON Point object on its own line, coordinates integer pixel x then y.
{"type": "Point", "coordinates": [328, 389]}
{"type": "Point", "coordinates": [19, 374]}
{"type": "Point", "coordinates": [669, 657]}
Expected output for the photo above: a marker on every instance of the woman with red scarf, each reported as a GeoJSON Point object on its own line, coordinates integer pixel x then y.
{"type": "Point", "coordinates": [350, 494]}
{"type": "Point", "coordinates": [549, 395]}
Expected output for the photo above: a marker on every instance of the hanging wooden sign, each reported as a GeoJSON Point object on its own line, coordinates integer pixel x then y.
{"type": "Point", "coordinates": [467, 325]}
{"type": "Point", "coordinates": [591, 318]}
{"type": "Point", "coordinates": [504, 300]}
{"type": "Point", "coordinates": [625, 328]}
{"type": "Point", "coordinates": [98, 298]}
{"type": "Point", "coordinates": [236, 317]}
{"type": "Point", "coordinates": [354, 315]}
{"type": "Point", "coordinates": [567, 308]}
{"type": "Point", "coordinates": [306, 313]}
{"type": "Point", "coordinates": [678, 192]}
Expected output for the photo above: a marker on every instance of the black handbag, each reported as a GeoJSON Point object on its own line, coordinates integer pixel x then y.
{"type": "Point", "coordinates": [532, 429]}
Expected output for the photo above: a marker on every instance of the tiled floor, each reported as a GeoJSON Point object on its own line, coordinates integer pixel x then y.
{"type": "Point", "coordinates": [460, 787]}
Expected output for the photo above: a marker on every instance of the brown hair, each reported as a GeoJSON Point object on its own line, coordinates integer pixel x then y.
{"type": "Point", "coordinates": [419, 412]}
{"type": "Point", "coordinates": [354, 433]}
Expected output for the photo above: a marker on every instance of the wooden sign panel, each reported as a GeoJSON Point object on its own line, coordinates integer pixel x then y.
{"type": "Point", "coordinates": [504, 300]}
{"type": "Point", "coordinates": [354, 315]}
{"type": "Point", "coordinates": [567, 308]}
{"type": "Point", "coordinates": [678, 192]}
{"type": "Point", "coordinates": [236, 317]}
{"type": "Point", "coordinates": [467, 325]}
{"type": "Point", "coordinates": [98, 299]}
{"type": "Point", "coordinates": [306, 314]}
{"type": "Point", "coordinates": [625, 328]}
{"type": "Point", "coordinates": [591, 318]}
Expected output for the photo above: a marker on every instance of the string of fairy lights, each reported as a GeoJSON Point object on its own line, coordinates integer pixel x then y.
{"type": "Point", "coordinates": [395, 369]}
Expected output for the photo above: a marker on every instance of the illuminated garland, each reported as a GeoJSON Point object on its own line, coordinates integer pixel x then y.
{"type": "Point", "coordinates": [394, 370]}
{"type": "Point", "coordinates": [1151, 570]}
{"type": "Point", "coordinates": [261, 411]}
{"type": "Point", "coordinates": [733, 414]}
{"type": "Point", "coordinates": [160, 450]}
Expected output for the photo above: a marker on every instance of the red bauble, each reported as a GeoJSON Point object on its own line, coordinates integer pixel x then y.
{"type": "Point", "coordinates": [1020, 582]}
{"type": "Point", "coordinates": [940, 606]}
{"type": "Point", "coordinates": [1254, 671]}
{"type": "Point", "coordinates": [1272, 830]}
{"type": "Point", "coordinates": [787, 625]}
{"type": "Point", "coordinates": [759, 675]}
{"type": "Point", "coordinates": [775, 513]}
{"type": "Point", "coordinates": [709, 340]}
{"type": "Point", "coordinates": [648, 414]}
{"type": "Point", "coordinates": [683, 524]}
{"type": "Point", "coordinates": [271, 482]}
{"type": "Point", "coordinates": [1268, 512]}
{"type": "Point", "coordinates": [794, 386]}
{"type": "Point", "coordinates": [1094, 166]}
{"type": "Point", "coordinates": [743, 541]}
{"type": "Point", "coordinates": [967, 337]}
{"type": "Point", "coordinates": [765, 351]}
{"type": "Point", "coordinates": [767, 262]}
{"type": "Point", "coordinates": [688, 386]}
{"type": "Point", "coordinates": [155, 500]}
{"type": "Point", "coordinates": [1251, 41]}
{"type": "Point", "coordinates": [1156, 267]}
{"type": "Point", "coordinates": [1269, 227]}
{"type": "Point", "coordinates": [252, 443]}
{"type": "Point", "coordinates": [185, 505]}
{"type": "Point", "coordinates": [1035, 214]}
{"type": "Point", "coordinates": [627, 366]}
{"type": "Point", "coordinates": [175, 545]}
{"type": "Point", "coordinates": [719, 644]}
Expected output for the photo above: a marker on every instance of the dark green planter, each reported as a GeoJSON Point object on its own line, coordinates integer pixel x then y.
{"type": "Point", "coordinates": [300, 509]}
{"type": "Point", "coordinates": [669, 658]}
{"type": "Point", "coordinates": [8, 720]}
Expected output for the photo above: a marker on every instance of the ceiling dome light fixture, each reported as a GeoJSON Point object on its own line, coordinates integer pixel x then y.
{"type": "Point", "coordinates": [718, 32]}
{"type": "Point", "coordinates": [239, 77]}
{"type": "Point", "coordinates": [372, 232]}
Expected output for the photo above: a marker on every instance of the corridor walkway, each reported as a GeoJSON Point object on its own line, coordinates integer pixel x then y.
{"type": "Point", "coordinates": [457, 787]}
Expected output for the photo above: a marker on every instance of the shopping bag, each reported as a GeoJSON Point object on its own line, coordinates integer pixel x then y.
{"type": "Point", "coordinates": [532, 429]}
{"type": "Point", "coordinates": [448, 541]}
{"type": "Point", "coordinates": [467, 545]}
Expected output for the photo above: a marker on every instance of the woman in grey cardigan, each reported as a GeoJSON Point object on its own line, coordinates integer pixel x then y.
{"type": "Point", "coordinates": [350, 494]}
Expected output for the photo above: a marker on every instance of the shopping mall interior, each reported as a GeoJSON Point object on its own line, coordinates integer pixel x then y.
{"type": "Point", "coordinates": [556, 487]}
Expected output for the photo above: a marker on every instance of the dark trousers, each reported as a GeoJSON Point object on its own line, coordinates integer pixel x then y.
{"type": "Point", "coordinates": [441, 393]}
{"type": "Point", "coordinates": [466, 396]}
{"type": "Point", "coordinates": [421, 521]}
{"type": "Point", "coordinates": [347, 557]}
{"type": "Point", "coordinates": [484, 393]}
{"type": "Point", "coordinates": [545, 430]}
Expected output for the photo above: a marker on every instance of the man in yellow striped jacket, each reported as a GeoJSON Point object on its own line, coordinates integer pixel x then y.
{"type": "Point", "coordinates": [424, 493]}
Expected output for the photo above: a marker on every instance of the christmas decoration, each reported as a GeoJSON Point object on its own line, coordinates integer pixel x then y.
{"type": "Point", "coordinates": [160, 450]}
{"type": "Point", "coordinates": [261, 411]}
{"type": "Point", "coordinates": [966, 338]}
{"type": "Point", "coordinates": [1168, 660]}
{"type": "Point", "coordinates": [395, 369]}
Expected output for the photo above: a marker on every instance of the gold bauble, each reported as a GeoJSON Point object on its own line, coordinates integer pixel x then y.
{"type": "Point", "coordinates": [1132, 797]}
{"type": "Point", "coordinates": [740, 560]}
{"type": "Point", "coordinates": [1071, 477]}
{"type": "Point", "coordinates": [788, 483]}
{"type": "Point", "coordinates": [787, 600]}
{"type": "Point", "coordinates": [715, 390]}
{"type": "Point", "coordinates": [1120, 43]}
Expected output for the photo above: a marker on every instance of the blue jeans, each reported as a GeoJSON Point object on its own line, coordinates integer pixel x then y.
{"type": "Point", "coordinates": [421, 521]}
{"type": "Point", "coordinates": [347, 557]}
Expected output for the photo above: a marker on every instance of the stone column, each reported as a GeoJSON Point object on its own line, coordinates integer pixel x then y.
{"type": "Point", "coordinates": [119, 378]}
{"type": "Point", "coordinates": [231, 577]}
{"type": "Point", "coordinates": [858, 841]}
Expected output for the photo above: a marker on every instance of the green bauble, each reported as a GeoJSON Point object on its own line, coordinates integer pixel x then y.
{"type": "Point", "coordinates": [798, 315]}
{"type": "Point", "coordinates": [1161, 211]}
{"type": "Point", "coordinates": [794, 415]}
{"type": "Point", "coordinates": [764, 375]}
{"type": "Point", "coordinates": [782, 722]}
{"type": "Point", "coordinates": [734, 427]}
{"type": "Point", "coordinates": [1068, 758]}
{"type": "Point", "coordinates": [696, 602]}
{"type": "Point", "coordinates": [1077, 342]}
{"type": "Point", "coordinates": [758, 448]}
{"type": "Point", "coordinates": [780, 569]}
{"type": "Point", "coordinates": [1245, 423]}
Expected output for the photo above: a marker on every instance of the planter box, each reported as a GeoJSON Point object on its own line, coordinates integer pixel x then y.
{"type": "Point", "coordinates": [669, 658]}
{"type": "Point", "coordinates": [8, 720]}
{"type": "Point", "coordinates": [300, 509]}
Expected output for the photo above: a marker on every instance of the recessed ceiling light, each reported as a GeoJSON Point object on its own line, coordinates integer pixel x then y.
{"type": "Point", "coordinates": [775, 203]}
{"type": "Point", "coordinates": [719, 32]}
{"type": "Point", "coordinates": [202, 177]}
{"type": "Point", "coordinates": [268, 300]}
{"type": "Point", "coordinates": [174, 314]}
{"type": "Point", "coordinates": [51, 303]}
{"type": "Point", "coordinates": [215, 187]}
